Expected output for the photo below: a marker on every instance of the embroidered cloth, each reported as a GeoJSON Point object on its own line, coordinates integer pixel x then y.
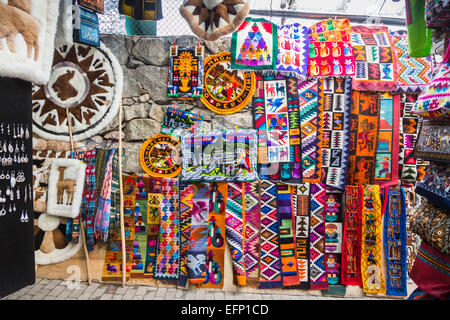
{"type": "Point", "coordinates": [432, 143]}
{"type": "Point", "coordinates": [330, 30]}
{"type": "Point", "coordinates": [176, 122]}
{"type": "Point", "coordinates": [259, 119]}
{"type": "Point", "coordinates": [434, 186]}
{"type": "Point", "coordinates": [186, 206]}
{"type": "Point", "coordinates": [327, 59]}
{"type": "Point", "coordinates": [412, 201]}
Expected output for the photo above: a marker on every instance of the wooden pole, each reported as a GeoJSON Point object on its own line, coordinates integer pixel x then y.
{"type": "Point", "coordinates": [83, 235]}
{"type": "Point", "coordinates": [122, 224]}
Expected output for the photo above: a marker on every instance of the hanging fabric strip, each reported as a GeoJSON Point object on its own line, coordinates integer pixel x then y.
{"type": "Point", "coordinates": [270, 262]}
{"type": "Point", "coordinates": [235, 224]}
{"type": "Point", "coordinates": [372, 235]}
{"type": "Point", "coordinates": [351, 243]}
{"type": "Point", "coordinates": [412, 202]}
{"type": "Point", "coordinates": [395, 241]}
{"type": "Point", "coordinates": [259, 119]}
{"type": "Point", "coordinates": [186, 204]}
{"type": "Point", "coordinates": [302, 226]}
{"type": "Point", "coordinates": [140, 231]}
{"type": "Point", "coordinates": [216, 236]}
{"type": "Point", "coordinates": [196, 257]}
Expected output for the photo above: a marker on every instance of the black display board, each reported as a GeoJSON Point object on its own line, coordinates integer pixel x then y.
{"type": "Point", "coordinates": [17, 268]}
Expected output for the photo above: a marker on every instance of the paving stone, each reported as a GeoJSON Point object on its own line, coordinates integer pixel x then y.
{"type": "Point", "coordinates": [52, 284]}
{"type": "Point", "coordinates": [117, 297]}
{"type": "Point", "coordinates": [138, 298]}
{"type": "Point", "coordinates": [40, 295]}
{"type": "Point", "coordinates": [35, 289]}
{"type": "Point", "coordinates": [141, 291]}
{"type": "Point", "coordinates": [200, 294]}
{"type": "Point", "coordinates": [106, 296]}
{"type": "Point", "coordinates": [76, 292]}
{"type": "Point", "coordinates": [97, 293]}
{"type": "Point", "coordinates": [229, 296]}
{"type": "Point", "coordinates": [111, 289]}
{"type": "Point", "coordinates": [121, 290]}
{"type": "Point", "coordinates": [180, 293]}
{"type": "Point", "coordinates": [57, 290]}
{"type": "Point", "coordinates": [64, 295]}
{"type": "Point", "coordinates": [44, 281]}
{"type": "Point", "coordinates": [191, 295]}
{"type": "Point", "coordinates": [26, 297]}
{"type": "Point", "coordinates": [131, 292]}
{"type": "Point", "coordinates": [150, 295]}
{"type": "Point", "coordinates": [219, 296]}
{"type": "Point", "coordinates": [170, 294]}
{"type": "Point", "coordinates": [161, 292]}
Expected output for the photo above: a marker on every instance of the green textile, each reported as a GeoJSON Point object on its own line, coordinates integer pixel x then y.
{"type": "Point", "coordinates": [419, 37]}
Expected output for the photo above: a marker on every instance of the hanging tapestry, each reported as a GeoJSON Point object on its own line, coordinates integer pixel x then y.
{"type": "Point", "coordinates": [270, 261]}
{"type": "Point", "coordinates": [112, 269]}
{"type": "Point", "coordinates": [141, 9]}
{"type": "Point", "coordinates": [215, 256]}
{"type": "Point", "coordinates": [412, 201]}
{"type": "Point", "coordinates": [209, 20]}
{"type": "Point", "coordinates": [376, 65]}
{"type": "Point", "coordinates": [432, 224]}
{"type": "Point", "coordinates": [151, 188]}
{"type": "Point", "coordinates": [97, 5]}
{"type": "Point", "coordinates": [168, 254]}
{"type": "Point", "coordinates": [41, 170]}
{"type": "Point", "coordinates": [86, 26]}
{"type": "Point", "coordinates": [330, 30]}
{"type": "Point", "coordinates": [220, 156]}
{"type": "Point", "coordinates": [140, 233]}
{"type": "Point", "coordinates": [363, 137]}
{"type": "Point", "coordinates": [336, 99]}
{"type": "Point", "coordinates": [252, 227]}
{"type": "Point", "coordinates": [114, 216]}
{"type": "Point", "coordinates": [437, 14]}
{"type": "Point", "coordinates": [159, 156]}
{"type": "Point", "coordinates": [17, 239]}
{"type": "Point", "coordinates": [287, 237]}
{"type": "Point", "coordinates": [302, 237]}
{"type": "Point", "coordinates": [395, 241]}
{"type": "Point", "coordinates": [186, 206]}
{"type": "Point", "coordinates": [435, 185]}
{"type": "Point", "coordinates": [235, 229]}
{"type": "Point", "coordinates": [91, 91]}
{"type": "Point", "coordinates": [176, 122]}
{"type": "Point", "coordinates": [327, 59]}
{"type": "Point", "coordinates": [311, 127]}
{"type": "Point", "coordinates": [293, 47]}
{"type": "Point", "coordinates": [351, 243]}
{"type": "Point", "coordinates": [259, 119]}
{"type": "Point", "coordinates": [102, 216]}
{"type": "Point", "coordinates": [254, 45]}
{"type": "Point", "coordinates": [226, 91]}
{"type": "Point", "coordinates": [372, 241]}
{"type": "Point", "coordinates": [186, 72]}
{"type": "Point", "coordinates": [28, 56]}
{"type": "Point", "coordinates": [413, 73]}
{"type": "Point", "coordinates": [386, 167]}
{"type": "Point", "coordinates": [198, 243]}
{"type": "Point", "coordinates": [432, 143]}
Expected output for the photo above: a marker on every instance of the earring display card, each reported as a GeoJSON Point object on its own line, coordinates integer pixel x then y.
{"type": "Point", "coordinates": [16, 198]}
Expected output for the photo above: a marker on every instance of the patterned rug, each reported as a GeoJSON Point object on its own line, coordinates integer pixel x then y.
{"type": "Point", "coordinates": [252, 229]}
{"type": "Point", "coordinates": [215, 256]}
{"type": "Point", "coordinates": [336, 100]}
{"type": "Point", "coordinates": [235, 229]}
{"type": "Point", "coordinates": [375, 59]}
{"type": "Point", "coordinates": [432, 142]}
{"type": "Point", "coordinates": [186, 206]}
{"type": "Point", "coordinates": [196, 257]}
{"type": "Point", "coordinates": [395, 241]}
{"type": "Point", "coordinates": [311, 128]}
{"type": "Point", "coordinates": [372, 241]}
{"type": "Point", "coordinates": [168, 254]}
{"type": "Point", "coordinates": [363, 137]}
{"type": "Point", "coordinates": [270, 263]}
{"type": "Point", "coordinates": [351, 243]}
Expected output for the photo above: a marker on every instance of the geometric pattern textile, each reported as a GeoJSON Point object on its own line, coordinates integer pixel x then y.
{"type": "Point", "coordinates": [186, 205]}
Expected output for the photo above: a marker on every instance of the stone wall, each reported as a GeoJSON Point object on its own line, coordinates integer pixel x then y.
{"type": "Point", "coordinates": [145, 63]}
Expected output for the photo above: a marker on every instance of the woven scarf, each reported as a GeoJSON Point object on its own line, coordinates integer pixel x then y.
{"type": "Point", "coordinates": [311, 128]}
{"type": "Point", "coordinates": [413, 73]}
{"type": "Point", "coordinates": [351, 242]}
{"type": "Point", "coordinates": [100, 163]}
{"type": "Point", "coordinates": [412, 201]}
{"type": "Point", "coordinates": [168, 254]}
{"type": "Point", "coordinates": [186, 205]}
{"type": "Point", "coordinates": [372, 241]}
{"type": "Point", "coordinates": [363, 137]}
{"type": "Point", "coordinates": [336, 99]}
{"type": "Point", "coordinates": [386, 167]}
{"type": "Point", "coordinates": [376, 67]}
{"type": "Point", "coordinates": [327, 59]}
{"type": "Point", "coordinates": [293, 50]}
{"type": "Point", "coordinates": [330, 30]}
{"type": "Point", "coordinates": [270, 261]}
{"type": "Point", "coordinates": [259, 119]}
{"type": "Point", "coordinates": [114, 218]}
{"type": "Point", "coordinates": [216, 236]}
{"type": "Point", "coordinates": [196, 257]}
{"type": "Point", "coordinates": [287, 237]}
{"type": "Point", "coordinates": [395, 241]}
{"type": "Point", "coordinates": [101, 224]}
{"type": "Point", "coordinates": [235, 229]}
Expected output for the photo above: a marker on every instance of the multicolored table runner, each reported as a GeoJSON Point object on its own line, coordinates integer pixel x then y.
{"type": "Point", "coordinates": [186, 206]}
{"type": "Point", "coordinates": [252, 228]}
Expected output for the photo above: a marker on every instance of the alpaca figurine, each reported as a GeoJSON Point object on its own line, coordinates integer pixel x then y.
{"type": "Point", "coordinates": [64, 185]}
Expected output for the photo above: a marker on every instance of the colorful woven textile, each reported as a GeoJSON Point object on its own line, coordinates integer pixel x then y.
{"type": "Point", "coordinates": [386, 168]}
{"type": "Point", "coordinates": [270, 262]}
{"type": "Point", "coordinates": [140, 236]}
{"type": "Point", "coordinates": [419, 37]}
{"type": "Point", "coordinates": [168, 254]}
{"type": "Point", "coordinates": [259, 119]}
{"type": "Point", "coordinates": [432, 224]}
{"type": "Point", "coordinates": [327, 59]}
{"type": "Point", "coordinates": [186, 205]}
{"type": "Point", "coordinates": [317, 272]}
{"type": "Point", "coordinates": [86, 26]}
{"type": "Point", "coordinates": [311, 127]}
{"type": "Point", "coordinates": [372, 241]}
{"type": "Point", "coordinates": [254, 45]}
{"type": "Point", "coordinates": [142, 9]}
{"type": "Point", "coordinates": [336, 100]}
{"type": "Point", "coordinates": [293, 50]}
{"type": "Point", "coordinates": [196, 257]}
{"type": "Point", "coordinates": [435, 185]}
{"type": "Point", "coordinates": [437, 14]}
{"type": "Point", "coordinates": [330, 30]}
{"type": "Point", "coordinates": [235, 229]}
{"type": "Point", "coordinates": [412, 201]}
{"type": "Point", "coordinates": [363, 138]}
{"type": "Point", "coordinates": [413, 73]}
{"type": "Point", "coordinates": [97, 5]}
{"type": "Point", "coordinates": [287, 237]}
{"type": "Point", "coordinates": [375, 59]}
{"type": "Point", "coordinates": [432, 143]}
{"type": "Point", "coordinates": [351, 243]}
{"type": "Point", "coordinates": [252, 227]}
{"type": "Point", "coordinates": [114, 217]}
{"type": "Point", "coordinates": [176, 122]}
{"type": "Point", "coordinates": [395, 241]}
